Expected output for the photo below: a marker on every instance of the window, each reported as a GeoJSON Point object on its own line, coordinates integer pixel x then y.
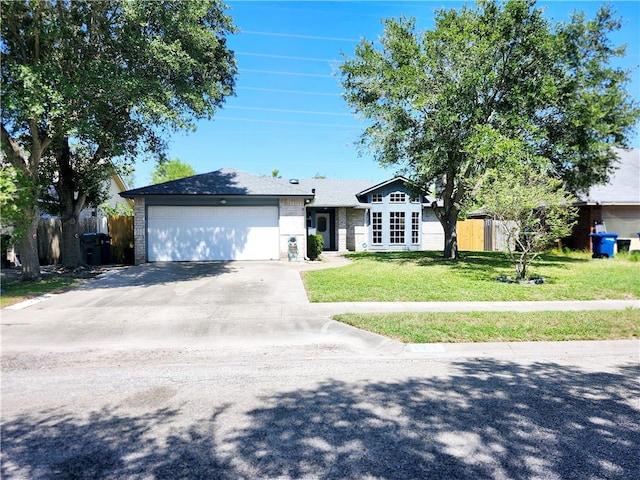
{"type": "Point", "coordinates": [376, 228]}
{"type": "Point", "coordinates": [322, 224]}
{"type": "Point", "coordinates": [397, 197]}
{"type": "Point", "coordinates": [415, 228]}
{"type": "Point", "coordinates": [376, 198]}
{"type": "Point", "coordinates": [396, 228]}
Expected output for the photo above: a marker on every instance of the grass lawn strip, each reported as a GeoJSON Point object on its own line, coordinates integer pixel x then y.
{"type": "Point", "coordinates": [426, 277]}
{"type": "Point", "coordinates": [16, 291]}
{"type": "Point", "coordinates": [431, 327]}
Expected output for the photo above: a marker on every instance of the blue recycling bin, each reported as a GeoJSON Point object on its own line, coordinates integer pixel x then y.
{"type": "Point", "coordinates": [603, 244]}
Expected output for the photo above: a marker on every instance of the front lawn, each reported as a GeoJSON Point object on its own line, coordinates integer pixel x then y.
{"type": "Point", "coordinates": [426, 277]}
{"type": "Point", "coordinates": [500, 326]}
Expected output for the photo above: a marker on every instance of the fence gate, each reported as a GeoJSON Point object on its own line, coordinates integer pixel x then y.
{"type": "Point", "coordinates": [471, 235]}
{"type": "Point", "coordinates": [121, 233]}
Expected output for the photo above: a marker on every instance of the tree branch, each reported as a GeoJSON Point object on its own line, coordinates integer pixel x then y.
{"type": "Point", "coordinates": [12, 150]}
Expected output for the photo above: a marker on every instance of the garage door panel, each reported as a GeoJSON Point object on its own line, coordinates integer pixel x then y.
{"type": "Point", "coordinates": [212, 233]}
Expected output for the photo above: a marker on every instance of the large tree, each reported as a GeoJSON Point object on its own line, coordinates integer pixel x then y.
{"type": "Point", "coordinates": [95, 83]}
{"type": "Point", "coordinates": [433, 100]}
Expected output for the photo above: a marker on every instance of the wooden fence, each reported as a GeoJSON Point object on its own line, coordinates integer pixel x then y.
{"type": "Point", "coordinates": [471, 235]}
{"type": "Point", "coordinates": [120, 230]}
{"type": "Point", "coordinates": [121, 233]}
{"type": "Point", "coordinates": [49, 237]}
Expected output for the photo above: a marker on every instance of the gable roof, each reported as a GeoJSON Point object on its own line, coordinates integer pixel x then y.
{"type": "Point", "coordinates": [383, 184]}
{"type": "Point", "coordinates": [331, 192]}
{"type": "Point", "coordinates": [226, 181]}
{"type": "Point", "coordinates": [623, 186]}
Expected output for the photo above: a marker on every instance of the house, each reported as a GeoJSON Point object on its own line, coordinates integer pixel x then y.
{"type": "Point", "coordinates": [232, 215]}
{"type": "Point", "coordinates": [613, 207]}
{"type": "Point", "coordinates": [114, 200]}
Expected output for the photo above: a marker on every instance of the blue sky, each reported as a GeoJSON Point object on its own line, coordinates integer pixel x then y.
{"type": "Point", "coordinates": [288, 113]}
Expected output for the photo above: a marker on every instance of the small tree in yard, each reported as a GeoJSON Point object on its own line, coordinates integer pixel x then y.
{"type": "Point", "coordinates": [532, 209]}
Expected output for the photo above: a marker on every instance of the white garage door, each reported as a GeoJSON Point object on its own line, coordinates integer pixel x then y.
{"type": "Point", "coordinates": [212, 233]}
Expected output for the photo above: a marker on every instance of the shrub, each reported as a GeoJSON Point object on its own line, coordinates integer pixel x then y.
{"type": "Point", "coordinates": [315, 243]}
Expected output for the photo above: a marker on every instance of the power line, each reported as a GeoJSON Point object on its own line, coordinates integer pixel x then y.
{"type": "Point", "coordinates": [278, 90]}
{"type": "Point", "coordinates": [308, 37]}
{"type": "Point", "coordinates": [286, 110]}
{"type": "Point", "coordinates": [285, 122]}
{"type": "Point", "coordinates": [274, 72]}
{"type": "Point", "coordinates": [287, 57]}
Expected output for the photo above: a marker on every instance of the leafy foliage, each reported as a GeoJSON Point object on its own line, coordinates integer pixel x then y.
{"type": "Point", "coordinates": [531, 208]}
{"type": "Point", "coordinates": [172, 169]}
{"type": "Point", "coordinates": [433, 99]}
{"type": "Point", "coordinates": [315, 244]}
{"type": "Point", "coordinates": [92, 84]}
{"type": "Point", "coordinates": [16, 191]}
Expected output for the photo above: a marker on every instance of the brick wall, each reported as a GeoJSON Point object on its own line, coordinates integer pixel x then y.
{"type": "Point", "coordinates": [587, 216]}
{"type": "Point", "coordinates": [292, 224]}
{"type": "Point", "coordinates": [139, 231]}
{"type": "Point", "coordinates": [356, 230]}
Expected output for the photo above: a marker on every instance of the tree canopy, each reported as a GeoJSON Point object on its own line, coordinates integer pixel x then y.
{"type": "Point", "coordinates": [172, 169]}
{"type": "Point", "coordinates": [435, 100]}
{"type": "Point", "coordinates": [102, 82]}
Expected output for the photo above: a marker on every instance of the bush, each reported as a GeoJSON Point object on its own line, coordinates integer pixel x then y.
{"type": "Point", "coordinates": [315, 243]}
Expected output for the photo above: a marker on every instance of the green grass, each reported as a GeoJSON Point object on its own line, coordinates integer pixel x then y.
{"type": "Point", "coordinates": [15, 291]}
{"type": "Point", "coordinates": [425, 276]}
{"type": "Point", "coordinates": [500, 326]}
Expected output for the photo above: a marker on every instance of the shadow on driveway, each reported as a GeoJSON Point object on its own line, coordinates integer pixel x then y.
{"type": "Point", "coordinates": [159, 273]}
{"type": "Point", "coordinates": [488, 419]}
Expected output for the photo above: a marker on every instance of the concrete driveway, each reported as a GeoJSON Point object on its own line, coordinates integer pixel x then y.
{"type": "Point", "coordinates": [207, 304]}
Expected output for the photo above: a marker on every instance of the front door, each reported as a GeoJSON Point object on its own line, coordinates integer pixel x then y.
{"type": "Point", "coordinates": [323, 228]}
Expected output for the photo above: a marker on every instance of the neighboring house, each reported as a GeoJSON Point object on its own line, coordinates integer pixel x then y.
{"type": "Point", "coordinates": [116, 187]}
{"type": "Point", "coordinates": [232, 215]}
{"type": "Point", "coordinates": [614, 206]}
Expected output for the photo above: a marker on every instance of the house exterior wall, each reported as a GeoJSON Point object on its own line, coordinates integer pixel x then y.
{"type": "Point", "coordinates": [341, 231]}
{"type": "Point", "coordinates": [292, 224]}
{"type": "Point", "coordinates": [357, 233]}
{"type": "Point", "coordinates": [432, 231]}
{"type": "Point", "coordinates": [113, 200]}
{"type": "Point", "coordinates": [625, 221]}
{"type": "Point", "coordinates": [392, 209]}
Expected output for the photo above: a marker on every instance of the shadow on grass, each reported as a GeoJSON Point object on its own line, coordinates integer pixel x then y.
{"type": "Point", "coordinates": [475, 265]}
{"type": "Point", "coordinates": [488, 419]}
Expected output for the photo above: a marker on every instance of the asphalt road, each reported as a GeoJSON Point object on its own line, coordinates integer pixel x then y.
{"type": "Point", "coordinates": [99, 383]}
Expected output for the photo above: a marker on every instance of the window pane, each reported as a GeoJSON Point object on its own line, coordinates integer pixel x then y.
{"type": "Point", "coordinates": [397, 197]}
{"type": "Point", "coordinates": [415, 228]}
{"type": "Point", "coordinates": [396, 228]}
{"type": "Point", "coordinates": [376, 228]}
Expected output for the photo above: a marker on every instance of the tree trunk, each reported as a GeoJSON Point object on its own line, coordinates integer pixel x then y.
{"type": "Point", "coordinates": [29, 249]}
{"type": "Point", "coordinates": [450, 226]}
{"type": "Point", "coordinates": [70, 206]}
{"type": "Point", "coordinates": [70, 249]}
{"type": "Point", "coordinates": [448, 217]}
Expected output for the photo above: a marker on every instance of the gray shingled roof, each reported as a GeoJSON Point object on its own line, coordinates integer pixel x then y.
{"type": "Point", "coordinates": [331, 192]}
{"type": "Point", "coordinates": [624, 184]}
{"type": "Point", "coordinates": [227, 181]}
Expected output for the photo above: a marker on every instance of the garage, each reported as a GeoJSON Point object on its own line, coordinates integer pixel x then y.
{"type": "Point", "coordinates": [192, 233]}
